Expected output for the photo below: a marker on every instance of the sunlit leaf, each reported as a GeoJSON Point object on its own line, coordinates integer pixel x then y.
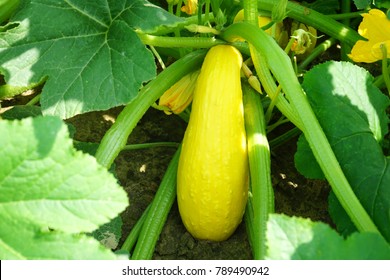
{"type": "Point", "coordinates": [87, 51]}
{"type": "Point", "coordinates": [352, 112]}
{"type": "Point", "coordinates": [49, 193]}
{"type": "Point", "coordinates": [293, 238]}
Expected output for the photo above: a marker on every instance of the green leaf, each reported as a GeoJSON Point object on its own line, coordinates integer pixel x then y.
{"type": "Point", "coordinates": [292, 238]}
{"type": "Point", "coordinates": [19, 112]}
{"type": "Point", "coordinates": [383, 4]}
{"type": "Point", "coordinates": [362, 4]}
{"type": "Point", "coordinates": [305, 161]}
{"type": "Point", "coordinates": [324, 6]}
{"type": "Point", "coordinates": [46, 184]}
{"type": "Point", "coordinates": [352, 112]}
{"type": "Point", "coordinates": [109, 234]}
{"type": "Point", "coordinates": [20, 239]}
{"type": "Point", "coordinates": [87, 51]}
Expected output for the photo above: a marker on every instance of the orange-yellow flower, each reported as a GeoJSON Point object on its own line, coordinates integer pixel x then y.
{"type": "Point", "coordinates": [375, 27]}
{"type": "Point", "coordinates": [179, 96]}
{"type": "Point", "coordinates": [190, 7]}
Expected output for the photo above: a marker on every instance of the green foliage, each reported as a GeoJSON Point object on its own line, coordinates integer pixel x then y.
{"type": "Point", "coordinates": [7, 7]}
{"type": "Point", "coordinates": [50, 193]}
{"type": "Point", "coordinates": [21, 111]}
{"type": "Point", "coordinates": [351, 111]}
{"type": "Point", "coordinates": [87, 51]}
{"type": "Point", "coordinates": [293, 238]}
{"type": "Point", "coordinates": [362, 4]}
{"type": "Point", "coordinates": [110, 233]}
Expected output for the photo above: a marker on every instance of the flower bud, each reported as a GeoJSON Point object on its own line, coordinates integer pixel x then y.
{"type": "Point", "coordinates": [179, 96]}
{"type": "Point", "coordinates": [306, 38]}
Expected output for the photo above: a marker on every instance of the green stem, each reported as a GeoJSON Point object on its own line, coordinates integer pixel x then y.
{"type": "Point", "coordinates": [158, 212]}
{"type": "Point", "coordinates": [250, 227]}
{"type": "Point", "coordinates": [385, 70]}
{"type": "Point", "coordinates": [7, 8]}
{"type": "Point", "coordinates": [250, 14]}
{"type": "Point", "coordinates": [379, 81]}
{"type": "Point", "coordinates": [170, 8]}
{"type": "Point", "coordinates": [8, 91]}
{"type": "Point", "coordinates": [115, 138]}
{"type": "Point", "coordinates": [178, 8]}
{"type": "Point", "coordinates": [281, 67]}
{"type": "Point", "coordinates": [258, 154]}
{"type": "Point", "coordinates": [179, 42]}
{"type": "Point", "coordinates": [131, 239]}
{"type": "Point", "coordinates": [150, 145]}
{"type": "Point", "coordinates": [158, 57]}
{"type": "Point", "coordinates": [34, 100]}
{"type": "Point", "coordinates": [260, 169]}
{"type": "Point", "coordinates": [321, 48]}
{"type": "Point", "coordinates": [319, 21]}
{"type": "Point", "coordinates": [207, 11]}
{"type": "Point", "coordinates": [282, 120]}
{"type": "Point", "coordinates": [270, 87]}
{"type": "Point", "coordinates": [282, 139]}
{"type": "Point", "coordinates": [343, 16]}
{"type": "Point", "coordinates": [345, 49]}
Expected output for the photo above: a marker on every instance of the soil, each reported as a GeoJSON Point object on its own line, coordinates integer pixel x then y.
{"type": "Point", "coordinates": [140, 173]}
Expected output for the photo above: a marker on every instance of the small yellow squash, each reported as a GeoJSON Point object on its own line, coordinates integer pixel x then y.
{"type": "Point", "coordinates": [212, 184]}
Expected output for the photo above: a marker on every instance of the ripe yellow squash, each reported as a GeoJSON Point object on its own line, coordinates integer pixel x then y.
{"type": "Point", "coordinates": [212, 183]}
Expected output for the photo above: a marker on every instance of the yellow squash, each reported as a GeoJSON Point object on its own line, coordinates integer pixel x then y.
{"type": "Point", "coordinates": [212, 184]}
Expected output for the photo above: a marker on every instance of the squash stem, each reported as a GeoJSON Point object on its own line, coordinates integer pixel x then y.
{"type": "Point", "coordinates": [385, 70]}
{"type": "Point", "coordinates": [280, 65]}
{"type": "Point", "coordinates": [271, 88]}
{"type": "Point", "coordinates": [259, 157]}
{"type": "Point", "coordinates": [116, 137]}
{"type": "Point", "coordinates": [150, 145]}
{"type": "Point", "coordinates": [321, 48]}
{"type": "Point", "coordinates": [260, 171]}
{"type": "Point", "coordinates": [131, 239]}
{"type": "Point", "coordinates": [179, 42]}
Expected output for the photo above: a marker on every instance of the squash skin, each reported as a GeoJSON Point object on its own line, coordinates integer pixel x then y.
{"type": "Point", "coordinates": [212, 183]}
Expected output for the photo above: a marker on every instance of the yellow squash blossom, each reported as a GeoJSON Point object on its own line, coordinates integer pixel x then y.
{"type": "Point", "coordinates": [375, 27]}
{"type": "Point", "coordinates": [190, 7]}
{"type": "Point", "coordinates": [179, 96]}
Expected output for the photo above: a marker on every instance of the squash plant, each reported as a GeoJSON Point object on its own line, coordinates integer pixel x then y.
{"type": "Point", "coordinates": [95, 55]}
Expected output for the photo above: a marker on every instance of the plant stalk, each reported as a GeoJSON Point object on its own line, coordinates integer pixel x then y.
{"type": "Point", "coordinates": [179, 42]}
{"type": "Point", "coordinates": [7, 8]}
{"type": "Point", "coordinates": [260, 169]}
{"type": "Point", "coordinates": [259, 156]}
{"type": "Point", "coordinates": [131, 239]}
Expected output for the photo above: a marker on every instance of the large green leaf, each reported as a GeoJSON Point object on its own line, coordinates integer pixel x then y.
{"type": "Point", "coordinates": [87, 51]}
{"type": "Point", "coordinates": [292, 238]}
{"type": "Point", "coordinates": [352, 112]}
{"type": "Point", "coordinates": [49, 193]}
